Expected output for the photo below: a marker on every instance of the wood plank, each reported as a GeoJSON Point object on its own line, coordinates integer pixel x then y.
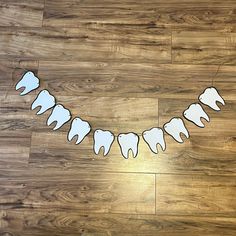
{"type": "Point", "coordinates": [174, 14]}
{"type": "Point", "coordinates": [14, 149]}
{"type": "Point", "coordinates": [15, 118]}
{"type": "Point", "coordinates": [208, 153]}
{"type": "Point", "coordinates": [65, 222]}
{"type": "Point", "coordinates": [110, 79]}
{"type": "Point", "coordinates": [88, 42]}
{"type": "Point", "coordinates": [83, 192]}
{"type": "Point", "coordinates": [21, 13]}
{"type": "Point", "coordinates": [10, 73]}
{"type": "Point", "coordinates": [181, 194]}
{"type": "Point", "coordinates": [201, 47]}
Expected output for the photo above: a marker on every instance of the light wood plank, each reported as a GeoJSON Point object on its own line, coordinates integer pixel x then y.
{"type": "Point", "coordinates": [187, 194]}
{"type": "Point", "coordinates": [83, 192]}
{"type": "Point", "coordinates": [203, 47]}
{"type": "Point", "coordinates": [88, 42]}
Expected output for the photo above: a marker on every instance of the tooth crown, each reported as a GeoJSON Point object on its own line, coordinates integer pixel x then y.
{"type": "Point", "coordinates": [128, 142]}
{"type": "Point", "coordinates": [194, 113]}
{"type": "Point", "coordinates": [153, 137]}
{"type": "Point", "coordinates": [80, 128]}
{"type": "Point", "coordinates": [210, 96]}
{"type": "Point", "coordinates": [45, 100]}
{"type": "Point", "coordinates": [29, 81]}
{"type": "Point", "coordinates": [175, 127]}
{"type": "Point", "coordinates": [59, 114]}
{"type": "Point", "coordinates": [103, 138]}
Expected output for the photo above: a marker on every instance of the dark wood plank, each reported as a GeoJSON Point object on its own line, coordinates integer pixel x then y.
{"type": "Point", "coordinates": [65, 222]}
{"type": "Point", "coordinates": [199, 47]}
{"type": "Point", "coordinates": [195, 195]}
{"type": "Point", "coordinates": [88, 42]}
{"type": "Point", "coordinates": [83, 192]}
{"type": "Point", "coordinates": [175, 14]}
{"type": "Point", "coordinates": [21, 13]}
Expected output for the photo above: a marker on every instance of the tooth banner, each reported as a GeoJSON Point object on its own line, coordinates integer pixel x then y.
{"type": "Point", "coordinates": [103, 139]}
{"type": "Point", "coordinates": [175, 127]}
{"type": "Point", "coordinates": [79, 128]}
{"type": "Point", "coordinates": [153, 137]}
{"type": "Point", "coordinates": [194, 113]}
{"type": "Point", "coordinates": [29, 82]}
{"type": "Point", "coordinates": [45, 100]}
{"type": "Point", "coordinates": [210, 96]}
{"type": "Point", "coordinates": [60, 115]}
{"type": "Point", "coordinates": [128, 142]}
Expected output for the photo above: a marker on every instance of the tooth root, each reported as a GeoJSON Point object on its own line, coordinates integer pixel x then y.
{"type": "Point", "coordinates": [153, 137]}
{"type": "Point", "coordinates": [79, 128]}
{"type": "Point", "coordinates": [175, 127]}
{"type": "Point", "coordinates": [29, 81]}
{"type": "Point", "coordinates": [59, 114]}
{"type": "Point", "coordinates": [103, 139]}
{"type": "Point", "coordinates": [210, 96]}
{"type": "Point", "coordinates": [128, 142]}
{"type": "Point", "coordinates": [45, 100]}
{"type": "Point", "coordinates": [194, 113]}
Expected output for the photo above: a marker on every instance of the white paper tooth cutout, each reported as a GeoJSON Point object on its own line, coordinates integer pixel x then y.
{"type": "Point", "coordinates": [210, 96]}
{"type": "Point", "coordinates": [103, 139]}
{"type": "Point", "coordinates": [79, 128]}
{"type": "Point", "coordinates": [29, 82]}
{"type": "Point", "coordinates": [194, 113]}
{"type": "Point", "coordinates": [45, 100]}
{"type": "Point", "coordinates": [128, 142]}
{"type": "Point", "coordinates": [153, 137]}
{"type": "Point", "coordinates": [175, 127]}
{"type": "Point", "coordinates": [59, 114]}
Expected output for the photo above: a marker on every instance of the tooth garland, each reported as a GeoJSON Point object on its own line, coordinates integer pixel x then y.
{"type": "Point", "coordinates": [128, 142]}
{"type": "Point", "coordinates": [45, 100]}
{"type": "Point", "coordinates": [60, 115]}
{"type": "Point", "coordinates": [210, 96]}
{"type": "Point", "coordinates": [153, 137]}
{"type": "Point", "coordinates": [175, 127]}
{"type": "Point", "coordinates": [79, 128]}
{"type": "Point", "coordinates": [29, 82]}
{"type": "Point", "coordinates": [103, 139]}
{"type": "Point", "coordinates": [194, 113]}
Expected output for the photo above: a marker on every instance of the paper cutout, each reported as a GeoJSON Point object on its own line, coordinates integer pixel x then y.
{"type": "Point", "coordinates": [175, 127]}
{"type": "Point", "coordinates": [128, 142]}
{"type": "Point", "coordinates": [194, 113]}
{"type": "Point", "coordinates": [29, 82]}
{"type": "Point", "coordinates": [60, 115]}
{"type": "Point", "coordinates": [45, 100]}
{"type": "Point", "coordinates": [153, 137]}
{"type": "Point", "coordinates": [210, 96]}
{"type": "Point", "coordinates": [103, 139]}
{"type": "Point", "coordinates": [79, 128]}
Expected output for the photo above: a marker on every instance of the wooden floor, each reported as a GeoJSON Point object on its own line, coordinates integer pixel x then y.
{"type": "Point", "coordinates": [125, 66]}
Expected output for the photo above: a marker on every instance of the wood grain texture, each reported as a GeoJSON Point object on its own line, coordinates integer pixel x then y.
{"type": "Point", "coordinates": [21, 13]}
{"type": "Point", "coordinates": [203, 47]}
{"type": "Point", "coordinates": [170, 14]}
{"type": "Point", "coordinates": [125, 66]}
{"type": "Point", "coordinates": [58, 223]}
{"type": "Point", "coordinates": [100, 193]}
{"type": "Point", "coordinates": [88, 42]}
